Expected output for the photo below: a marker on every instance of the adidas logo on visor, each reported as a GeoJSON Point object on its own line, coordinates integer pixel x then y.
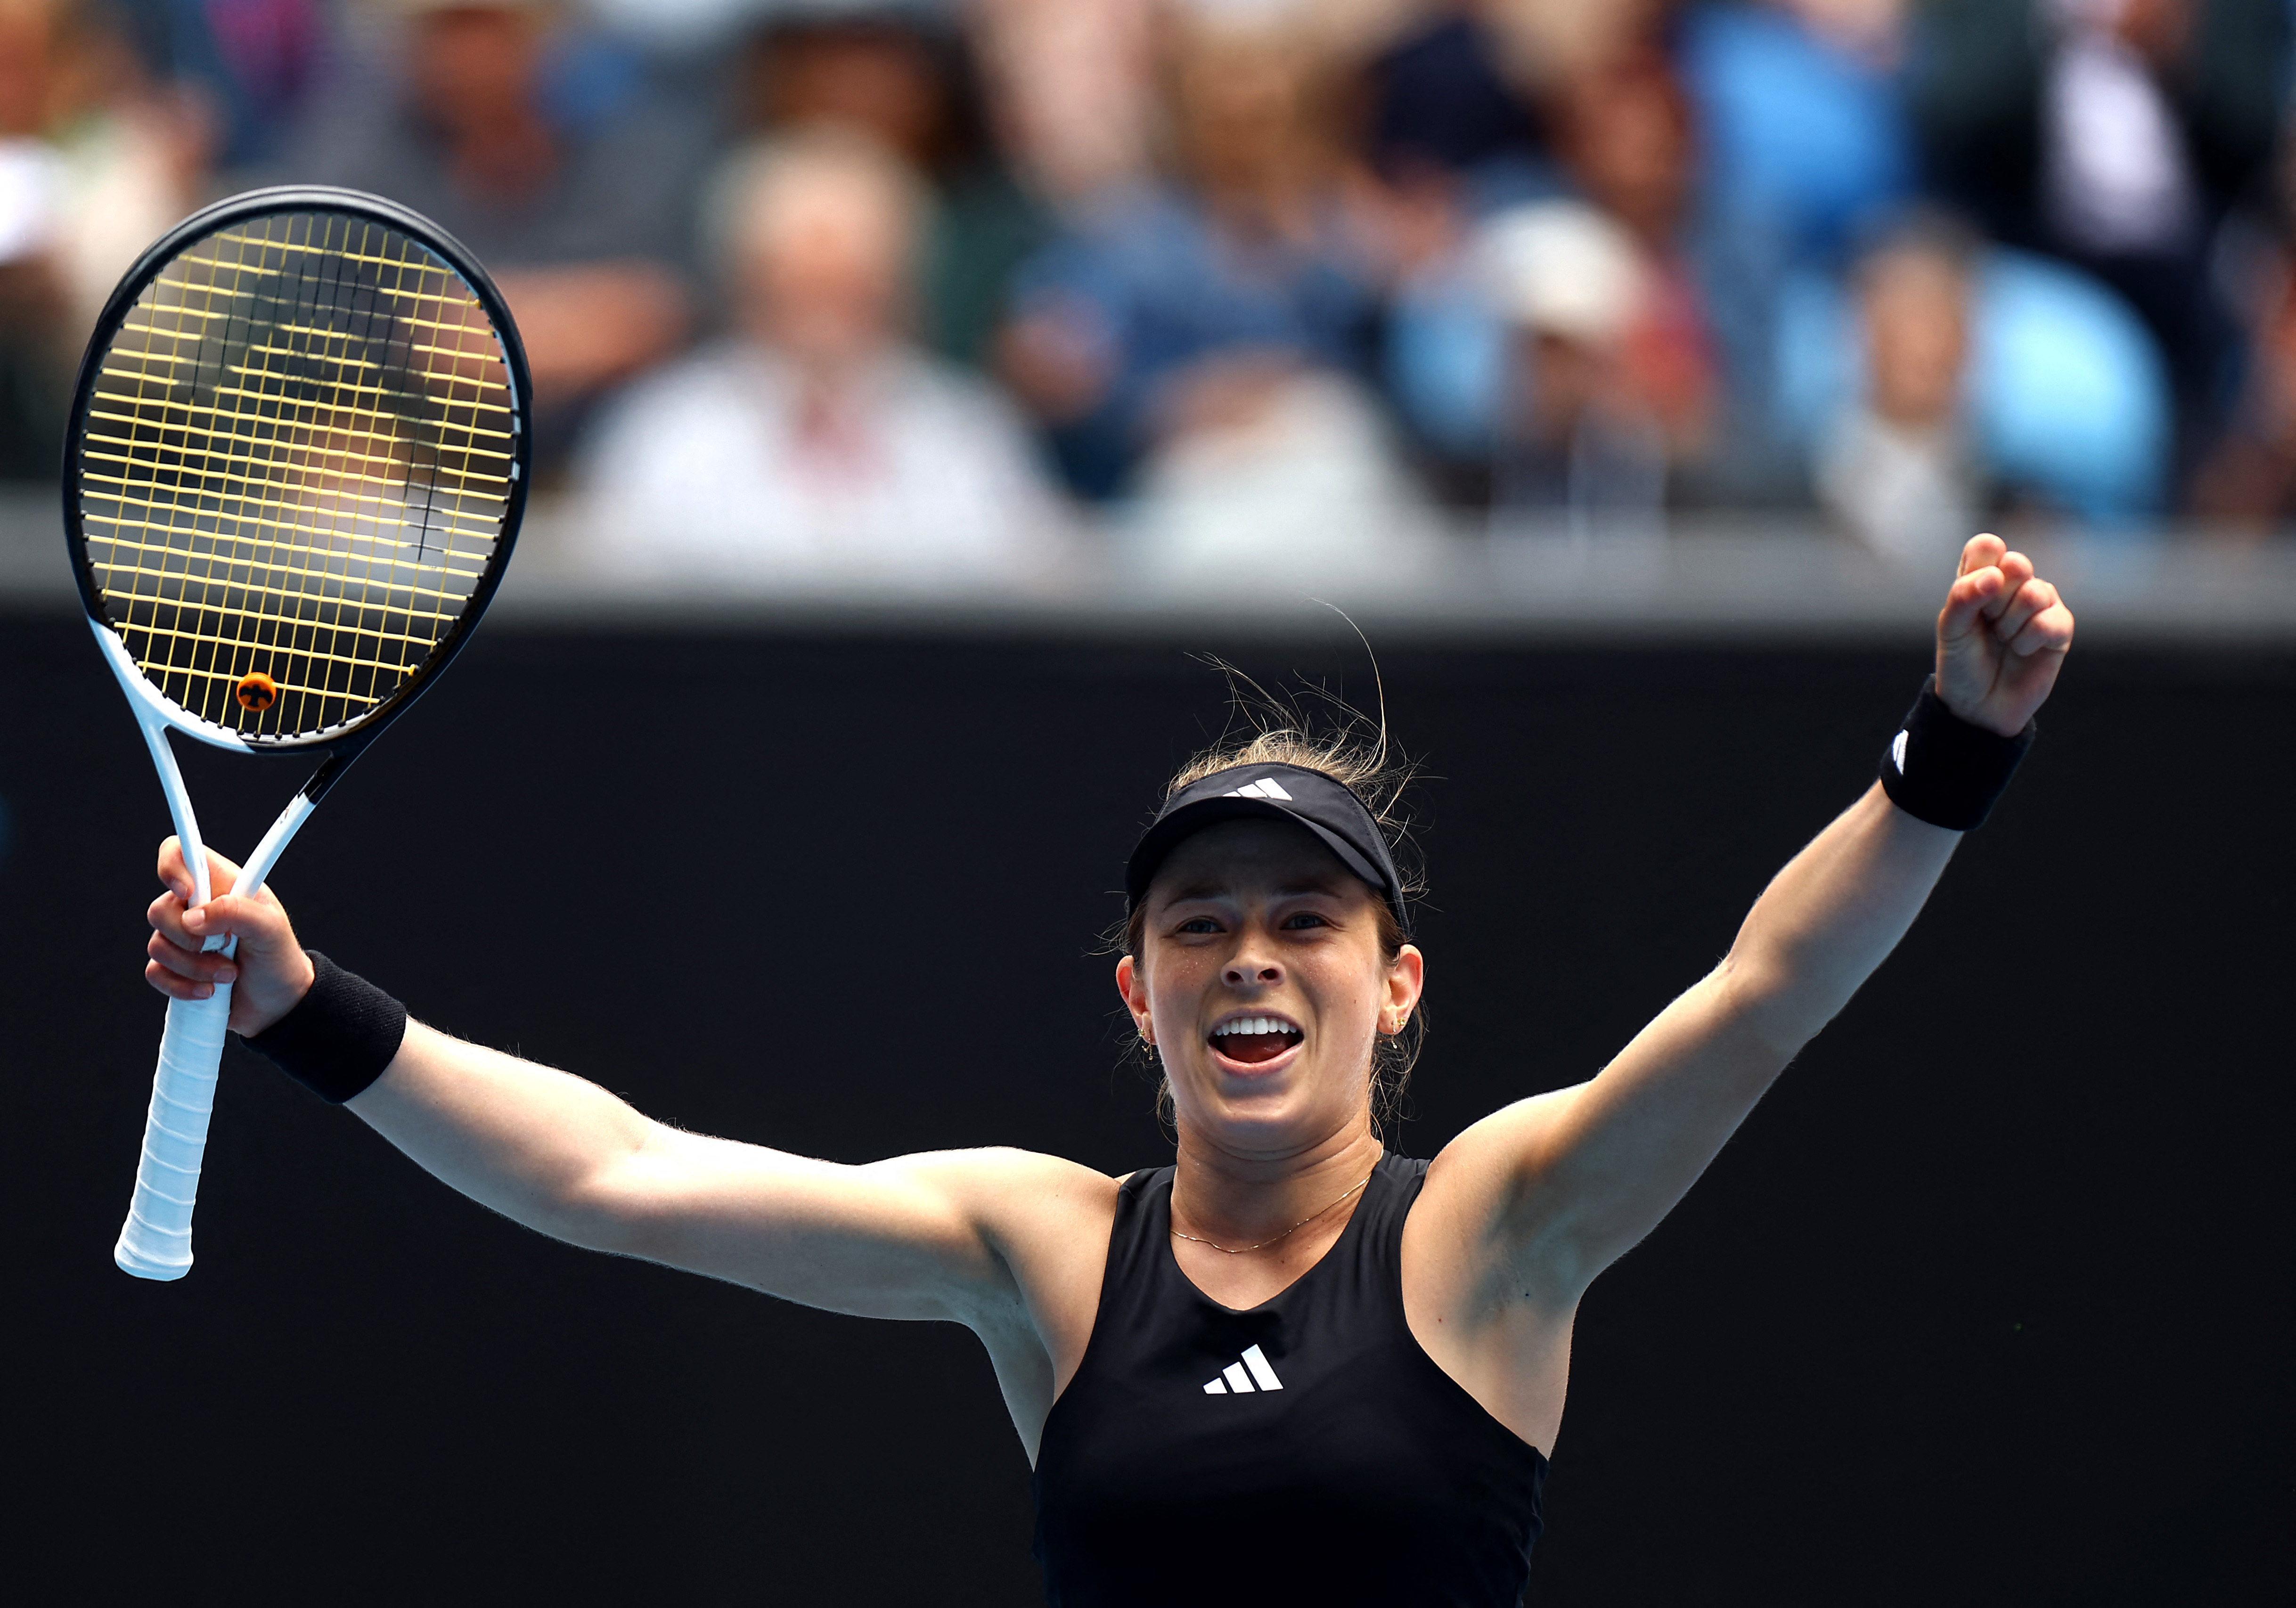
{"type": "Point", "coordinates": [1265, 788]}
{"type": "Point", "coordinates": [1234, 1378]}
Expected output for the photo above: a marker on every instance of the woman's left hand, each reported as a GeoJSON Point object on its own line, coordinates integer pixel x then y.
{"type": "Point", "coordinates": [2002, 638]}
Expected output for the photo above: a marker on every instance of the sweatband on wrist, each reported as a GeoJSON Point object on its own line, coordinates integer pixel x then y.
{"type": "Point", "coordinates": [338, 1037]}
{"type": "Point", "coordinates": [1943, 769]}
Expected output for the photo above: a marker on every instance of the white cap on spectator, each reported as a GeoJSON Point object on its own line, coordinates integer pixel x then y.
{"type": "Point", "coordinates": [1564, 269]}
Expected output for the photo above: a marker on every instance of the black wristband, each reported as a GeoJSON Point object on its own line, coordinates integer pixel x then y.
{"type": "Point", "coordinates": [1941, 769]}
{"type": "Point", "coordinates": [338, 1037]}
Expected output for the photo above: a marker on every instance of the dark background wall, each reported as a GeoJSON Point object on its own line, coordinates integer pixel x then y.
{"type": "Point", "coordinates": [1989, 1302]}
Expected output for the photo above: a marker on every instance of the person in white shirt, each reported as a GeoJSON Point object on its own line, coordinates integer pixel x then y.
{"type": "Point", "coordinates": [1900, 470]}
{"type": "Point", "coordinates": [815, 444]}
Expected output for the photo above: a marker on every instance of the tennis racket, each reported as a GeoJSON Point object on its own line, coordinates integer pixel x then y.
{"type": "Point", "coordinates": [294, 471]}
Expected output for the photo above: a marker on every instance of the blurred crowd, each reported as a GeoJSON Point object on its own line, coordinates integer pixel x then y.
{"type": "Point", "coordinates": [912, 291]}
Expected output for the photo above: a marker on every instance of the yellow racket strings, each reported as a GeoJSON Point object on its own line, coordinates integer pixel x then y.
{"type": "Point", "coordinates": [296, 462]}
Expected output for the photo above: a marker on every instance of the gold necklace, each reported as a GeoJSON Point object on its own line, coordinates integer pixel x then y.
{"type": "Point", "coordinates": [1295, 1227]}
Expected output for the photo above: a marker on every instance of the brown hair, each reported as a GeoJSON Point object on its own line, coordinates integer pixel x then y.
{"type": "Point", "coordinates": [1354, 752]}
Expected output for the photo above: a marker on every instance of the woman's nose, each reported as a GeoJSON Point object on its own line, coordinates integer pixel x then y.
{"type": "Point", "coordinates": [1244, 972]}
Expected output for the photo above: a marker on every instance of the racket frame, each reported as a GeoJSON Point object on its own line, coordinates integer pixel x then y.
{"type": "Point", "coordinates": [343, 743]}
{"type": "Point", "coordinates": [191, 1045]}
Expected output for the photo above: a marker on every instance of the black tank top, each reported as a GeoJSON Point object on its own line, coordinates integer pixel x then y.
{"type": "Point", "coordinates": [1306, 1451]}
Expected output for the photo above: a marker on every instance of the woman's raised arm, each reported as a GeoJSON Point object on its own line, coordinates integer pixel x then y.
{"type": "Point", "coordinates": [920, 1236]}
{"type": "Point", "coordinates": [945, 1235]}
{"type": "Point", "coordinates": [1576, 1178]}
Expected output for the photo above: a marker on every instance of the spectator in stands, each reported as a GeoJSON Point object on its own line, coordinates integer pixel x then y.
{"type": "Point", "coordinates": [96, 161]}
{"type": "Point", "coordinates": [1806, 150]}
{"type": "Point", "coordinates": [2114, 133]}
{"type": "Point", "coordinates": [816, 443]}
{"type": "Point", "coordinates": [2248, 482]}
{"type": "Point", "coordinates": [1442, 352]}
{"type": "Point", "coordinates": [1448, 136]}
{"type": "Point", "coordinates": [1578, 434]}
{"type": "Point", "coordinates": [1195, 306]}
{"type": "Point", "coordinates": [252, 65]}
{"type": "Point", "coordinates": [1549, 42]}
{"type": "Point", "coordinates": [1625, 132]}
{"type": "Point", "coordinates": [35, 386]}
{"type": "Point", "coordinates": [2062, 399]}
{"type": "Point", "coordinates": [1805, 141]}
{"type": "Point", "coordinates": [549, 157]}
{"type": "Point", "coordinates": [1072, 91]}
{"type": "Point", "coordinates": [1440, 102]}
{"type": "Point", "coordinates": [911, 84]}
{"type": "Point", "coordinates": [1896, 467]}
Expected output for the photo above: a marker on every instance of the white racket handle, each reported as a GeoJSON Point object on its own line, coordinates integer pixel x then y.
{"type": "Point", "coordinates": [156, 1241]}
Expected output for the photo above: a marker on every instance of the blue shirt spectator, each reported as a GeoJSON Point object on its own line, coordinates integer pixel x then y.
{"type": "Point", "coordinates": [1244, 258]}
{"type": "Point", "coordinates": [1801, 135]}
{"type": "Point", "coordinates": [1153, 286]}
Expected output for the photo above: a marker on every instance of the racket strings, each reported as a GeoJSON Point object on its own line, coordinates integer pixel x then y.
{"type": "Point", "coordinates": [296, 461]}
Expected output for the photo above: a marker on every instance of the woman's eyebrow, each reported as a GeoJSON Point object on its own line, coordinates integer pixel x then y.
{"type": "Point", "coordinates": [1335, 886]}
{"type": "Point", "coordinates": [1197, 890]}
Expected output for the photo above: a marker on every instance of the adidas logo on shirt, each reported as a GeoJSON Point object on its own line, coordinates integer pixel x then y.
{"type": "Point", "coordinates": [1265, 788]}
{"type": "Point", "coordinates": [1234, 1377]}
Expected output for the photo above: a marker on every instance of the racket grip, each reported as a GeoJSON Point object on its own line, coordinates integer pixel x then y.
{"type": "Point", "coordinates": [155, 1243]}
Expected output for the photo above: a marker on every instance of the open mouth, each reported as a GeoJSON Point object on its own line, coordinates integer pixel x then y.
{"type": "Point", "coordinates": [1252, 1039]}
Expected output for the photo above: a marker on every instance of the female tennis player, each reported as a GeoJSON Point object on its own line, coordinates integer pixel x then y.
{"type": "Point", "coordinates": [1290, 1367]}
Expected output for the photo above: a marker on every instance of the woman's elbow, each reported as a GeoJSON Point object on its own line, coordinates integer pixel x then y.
{"type": "Point", "coordinates": [1778, 1005]}
{"type": "Point", "coordinates": [616, 1207]}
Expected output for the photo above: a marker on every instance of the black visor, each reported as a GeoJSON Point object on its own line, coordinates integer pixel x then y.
{"type": "Point", "coordinates": [1284, 792]}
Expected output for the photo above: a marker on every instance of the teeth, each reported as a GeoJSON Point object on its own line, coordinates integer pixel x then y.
{"type": "Point", "coordinates": [1254, 1024]}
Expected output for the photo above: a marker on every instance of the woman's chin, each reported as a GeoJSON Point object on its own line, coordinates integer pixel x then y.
{"type": "Point", "coordinates": [1259, 1106]}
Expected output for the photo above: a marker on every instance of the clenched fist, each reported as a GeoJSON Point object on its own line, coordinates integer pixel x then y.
{"type": "Point", "coordinates": [2002, 638]}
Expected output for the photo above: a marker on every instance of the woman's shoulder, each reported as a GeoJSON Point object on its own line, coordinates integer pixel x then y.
{"type": "Point", "coordinates": [1014, 1191]}
{"type": "Point", "coordinates": [1483, 1164]}
{"type": "Point", "coordinates": [1049, 1220]}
